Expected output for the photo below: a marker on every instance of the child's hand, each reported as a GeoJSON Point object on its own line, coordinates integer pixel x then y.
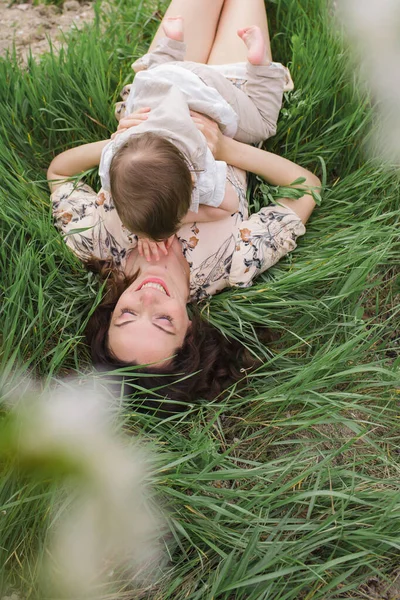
{"type": "Point", "coordinates": [150, 249]}
{"type": "Point", "coordinates": [132, 120]}
{"type": "Point", "coordinates": [210, 130]}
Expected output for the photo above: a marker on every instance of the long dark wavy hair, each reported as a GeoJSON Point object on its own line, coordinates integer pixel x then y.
{"type": "Point", "coordinates": [206, 364]}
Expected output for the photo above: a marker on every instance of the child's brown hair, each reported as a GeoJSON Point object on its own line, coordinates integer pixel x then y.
{"type": "Point", "coordinates": [151, 186]}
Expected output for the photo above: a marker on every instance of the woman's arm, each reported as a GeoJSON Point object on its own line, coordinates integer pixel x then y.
{"type": "Point", "coordinates": [275, 169]}
{"type": "Point", "coordinates": [73, 162]}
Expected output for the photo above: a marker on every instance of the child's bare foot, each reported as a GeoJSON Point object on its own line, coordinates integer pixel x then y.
{"type": "Point", "coordinates": [254, 40]}
{"type": "Point", "coordinates": [173, 28]}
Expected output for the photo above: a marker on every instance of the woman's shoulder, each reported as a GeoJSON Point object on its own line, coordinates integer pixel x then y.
{"type": "Point", "coordinates": [232, 252]}
{"type": "Point", "coordinates": [90, 224]}
{"type": "Point", "coordinates": [262, 240]}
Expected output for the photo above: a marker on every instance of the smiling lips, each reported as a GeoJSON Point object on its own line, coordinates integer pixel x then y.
{"type": "Point", "coordinates": [155, 283]}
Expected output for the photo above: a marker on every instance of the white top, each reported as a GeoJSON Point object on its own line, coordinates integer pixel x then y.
{"type": "Point", "coordinates": [199, 96]}
{"type": "Point", "coordinates": [195, 95]}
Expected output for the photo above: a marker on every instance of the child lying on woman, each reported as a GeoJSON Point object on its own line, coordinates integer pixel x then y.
{"type": "Point", "coordinates": [161, 172]}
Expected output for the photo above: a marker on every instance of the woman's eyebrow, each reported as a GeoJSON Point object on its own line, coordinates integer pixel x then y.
{"type": "Point", "coordinates": [154, 325]}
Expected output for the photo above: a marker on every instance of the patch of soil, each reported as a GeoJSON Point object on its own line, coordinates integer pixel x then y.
{"type": "Point", "coordinates": [377, 589]}
{"type": "Point", "coordinates": [30, 27]}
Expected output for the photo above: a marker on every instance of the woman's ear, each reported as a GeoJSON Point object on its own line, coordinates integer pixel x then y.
{"type": "Point", "coordinates": [189, 315]}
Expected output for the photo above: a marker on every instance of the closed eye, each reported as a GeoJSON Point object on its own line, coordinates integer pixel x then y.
{"type": "Point", "coordinates": [166, 317]}
{"type": "Point", "coordinates": [125, 311]}
{"type": "Point", "coordinates": [131, 312]}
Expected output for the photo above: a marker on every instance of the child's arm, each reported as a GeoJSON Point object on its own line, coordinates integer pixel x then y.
{"type": "Point", "coordinates": [228, 206]}
{"type": "Point", "coordinates": [73, 162]}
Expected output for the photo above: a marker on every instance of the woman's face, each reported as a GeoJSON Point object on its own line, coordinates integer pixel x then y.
{"type": "Point", "coordinates": [150, 322]}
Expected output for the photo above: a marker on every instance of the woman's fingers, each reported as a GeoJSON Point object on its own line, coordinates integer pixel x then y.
{"type": "Point", "coordinates": [134, 118]}
{"type": "Point", "coordinates": [116, 133]}
{"type": "Point", "coordinates": [204, 123]}
{"type": "Point", "coordinates": [127, 122]}
{"type": "Point", "coordinates": [203, 119]}
{"type": "Point", "coordinates": [195, 114]}
{"type": "Point", "coordinates": [209, 129]}
{"type": "Point", "coordinates": [139, 111]}
{"type": "Point", "coordinates": [197, 121]}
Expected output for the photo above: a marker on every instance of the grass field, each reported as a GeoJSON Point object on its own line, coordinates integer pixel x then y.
{"type": "Point", "coordinates": [288, 487]}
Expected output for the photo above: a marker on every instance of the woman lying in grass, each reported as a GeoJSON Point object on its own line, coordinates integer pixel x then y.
{"type": "Point", "coordinates": [143, 317]}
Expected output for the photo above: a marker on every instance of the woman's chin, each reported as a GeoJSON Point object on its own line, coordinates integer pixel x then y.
{"type": "Point", "coordinates": [172, 264]}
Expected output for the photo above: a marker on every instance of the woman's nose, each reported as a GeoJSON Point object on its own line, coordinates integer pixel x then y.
{"type": "Point", "coordinates": [147, 297]}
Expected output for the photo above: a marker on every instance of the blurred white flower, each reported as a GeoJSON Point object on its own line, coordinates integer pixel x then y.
{"type": "Point", "coordinates": [374, 29]}
{"type": "Point", "coordinates": [104, 533]}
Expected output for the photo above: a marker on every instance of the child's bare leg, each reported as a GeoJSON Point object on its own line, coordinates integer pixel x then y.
{"type": "Point", "coordinates": [200, 18]}
{"type": "Point", "coordinates": [238, 15]}
{"type": "Point", "coordinates": [254, 40]}
{"type": "Point", "coordinates": [173, 28]}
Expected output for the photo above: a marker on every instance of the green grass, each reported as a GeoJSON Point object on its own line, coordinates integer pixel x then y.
{"type": "Point", "coordinates": [289, 487]}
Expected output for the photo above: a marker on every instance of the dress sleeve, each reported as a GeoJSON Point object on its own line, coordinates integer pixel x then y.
{"type": "Point", "coordinates": [261, 241]}
{"type": "Point", "coordinates": [90, 224]}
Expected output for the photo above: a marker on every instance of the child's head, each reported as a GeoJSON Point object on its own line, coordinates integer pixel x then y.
{"type": "Point", "coordinates": [151, 186]}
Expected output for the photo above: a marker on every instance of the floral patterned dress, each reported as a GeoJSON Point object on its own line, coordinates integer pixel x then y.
{"type": "Point", "coordinates": [221, 254]}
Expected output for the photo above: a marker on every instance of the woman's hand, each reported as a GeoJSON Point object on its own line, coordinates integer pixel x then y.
{"type": "Point", "coordinates": [150, 249]}
{"type": "Point", "coordinates": [132, 120]}
{"type": "Point", "coordinates": [210, 130]}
